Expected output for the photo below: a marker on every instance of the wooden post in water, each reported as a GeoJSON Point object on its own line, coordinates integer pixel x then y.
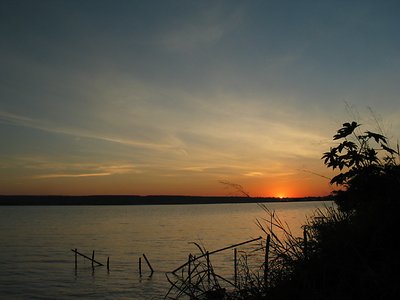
{"type": "Point", "coordinates": [93, 259]}
{"type": "Point", "coordinates": [235, 265]}
{"type": "Point", "coordinates": [148, 263]}
{"type": "Point", "coordinates": [216, 251]}
{"type": "Point", "coordinates": [140, 266]}
{"type": "Point", "coordinates": [76, 258]}
{"type": "Point", "coordinates": [87, 257]}
{"type": "Point", "coordinates": [108, 263]}
{"type": "Point", "coordinates": [266, 260]}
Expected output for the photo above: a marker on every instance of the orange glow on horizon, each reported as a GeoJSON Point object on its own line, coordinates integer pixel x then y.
{"type": "Point", "coordinates": [296, 186]}
{"type": "Point", "coordinates": [293, 189]}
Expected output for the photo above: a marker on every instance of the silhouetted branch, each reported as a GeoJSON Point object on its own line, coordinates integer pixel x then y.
{"type": "Point", "coordinates": [236, 187]}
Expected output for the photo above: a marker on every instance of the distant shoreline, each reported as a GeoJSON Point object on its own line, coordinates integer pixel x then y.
{"type": "Point", "coordinates": [22, 200]}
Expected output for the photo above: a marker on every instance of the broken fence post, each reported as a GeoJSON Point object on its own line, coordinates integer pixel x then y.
{"type": "Point", "coordinates": [76, 258]}
{"type": "Point", "coordinates": [216, 251]}
{"type": "Point", "coordinates": [87, 257]}
{"type": "Point", "coordinates": [93, 259]}
{"type": "Point", "coordinates": [148, 263]}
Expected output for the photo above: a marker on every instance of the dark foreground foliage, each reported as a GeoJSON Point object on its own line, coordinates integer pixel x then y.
{"type": "Point", "coordinates": [351, 257]}
{"type": "Point", "coordinates": [347, 252]}
{"type": "Point", "coordinates": [354, 253]}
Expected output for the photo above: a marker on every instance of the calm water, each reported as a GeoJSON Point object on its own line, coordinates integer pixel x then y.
{"type": "Point", "coordinates": [36, 261]}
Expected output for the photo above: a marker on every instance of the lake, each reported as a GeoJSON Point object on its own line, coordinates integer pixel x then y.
{"type": "Point", "coordinates": [37, 262]}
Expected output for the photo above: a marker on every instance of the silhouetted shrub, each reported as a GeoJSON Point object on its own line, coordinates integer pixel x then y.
{"type": "Point", "coordinates": [352, 250]}
{"type": "Point", "coordinates": [369, 168]}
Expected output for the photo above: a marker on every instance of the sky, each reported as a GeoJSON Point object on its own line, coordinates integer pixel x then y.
{"type": "Point", "coordinates": [175, 97]}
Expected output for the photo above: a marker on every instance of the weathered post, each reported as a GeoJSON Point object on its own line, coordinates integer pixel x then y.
{"type": "Point", "coordinates": [76, 258]}
{"type": "Point", "coordinates": [87, 257]}
{"type": "Point", "coordinates": [148, 263]}
{"type": "Point", "coordinates": [140, 266]}
{"type": "Point", "coordinates": [93, 259]}
{"type": "Point", "coordinates": [108, 263]}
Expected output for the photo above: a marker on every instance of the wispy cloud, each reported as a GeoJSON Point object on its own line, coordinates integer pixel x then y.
{"type": "Point", "coordinates": [24, 121]}
{"type": "Point", "coordinates": [14, 119]}
{"type": "Point", "coordinates": [200, 31]}
{"type": "Point", "coordinates": [50, 176]}
{"type": "Point", "coordinates": [254, 174]}
{"type": "Point", "coordinates": [70, 167]}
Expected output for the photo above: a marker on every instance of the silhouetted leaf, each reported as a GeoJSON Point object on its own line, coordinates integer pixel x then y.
{"type": "Point", "coordinates": [371, 155]}
{"type": "Point", "coordinates": [339, 179]}
{"type": "Point", "coordinates": [390, 150]}
{"type": "Point", "coordinates": [377, 137]}
{"type": "Point", "coordinates": [330, 156]}
{"type": "Point", "coordinates": [350, 145]}
{"type": "Point", "coordinates": [346, 130]}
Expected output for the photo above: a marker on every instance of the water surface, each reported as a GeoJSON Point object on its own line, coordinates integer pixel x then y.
{"type": "Point", "coordinates": [37, 263]}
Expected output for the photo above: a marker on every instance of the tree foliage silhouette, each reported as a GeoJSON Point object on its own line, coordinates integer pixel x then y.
{"type": "Point", "coordinates": [369, 166]}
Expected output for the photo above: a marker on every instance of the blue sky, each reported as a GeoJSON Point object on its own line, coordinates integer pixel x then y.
{"type": "Point", "coordinates": [171, 97]}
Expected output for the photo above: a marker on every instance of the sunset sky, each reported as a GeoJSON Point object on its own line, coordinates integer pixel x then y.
{"type": "Point", "coordinates": [172, 97]}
